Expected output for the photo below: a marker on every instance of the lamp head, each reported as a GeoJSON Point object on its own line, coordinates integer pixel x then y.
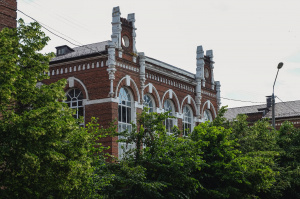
{"type": "Point", "coordinates": [280, 65]}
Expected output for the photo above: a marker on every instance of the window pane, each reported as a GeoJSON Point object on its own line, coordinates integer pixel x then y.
{"type": "Point", "coordinates": [80, 111]}
{"type": "Point", "coordinates": [128, 115]}
{"type": "Point", "coordinates": [76, 92]}
{"type": "Point", "coordinates": [123, 114]}
{"type": "Point", "coordinates": [120, 113]}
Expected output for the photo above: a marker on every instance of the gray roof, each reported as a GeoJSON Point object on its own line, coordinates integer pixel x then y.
{"type": "Point", "coordinates": [282, 110]}
{"type": "Point", "coordinates": [170, 67]}
{"type": "Point", "coordinates": [83, 51]}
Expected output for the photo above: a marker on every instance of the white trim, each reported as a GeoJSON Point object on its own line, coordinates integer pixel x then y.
{"type": "Point", "coordinates": [135, 87]}
{"type": "Point", "coordinates": [192, 117]}
{"type": "Point", "coordinates": [71, 85]}
{"type": "Point", "coordinates": [160, 110]}
{"type": "Point", "coordinates": [137, 105]}
{"type": "Point", "coordinates": [157, 95]}
{"type": "Point", "coordinates": [179, 115]}
{"type": "Point", "coordinates": [192, 102]}
{"type": "Point", "coordinates": [178, 105]}
{"type": "Point", "coordinates": [212, 106]}
{"type": "Point", "coordinates": [100, 101]}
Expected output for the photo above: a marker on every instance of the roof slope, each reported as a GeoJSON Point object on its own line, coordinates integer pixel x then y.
{"type": "Point", "coordinates": [83, 51]}
{"type": "Point", "coordinates": [282, 109]}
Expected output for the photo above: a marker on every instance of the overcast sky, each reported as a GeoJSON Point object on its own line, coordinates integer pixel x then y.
{"type": "Point", "coordinates": [248, 38]}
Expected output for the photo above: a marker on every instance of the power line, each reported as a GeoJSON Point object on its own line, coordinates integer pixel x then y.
{"type": "Point", "coordinates": [8, 6]}
{"type": "Point", "coordinates": [56, 14]}
{"type": "Point", "coordinates": [242, 100]}
{"type": "Point", "coordinates": [284, 103]}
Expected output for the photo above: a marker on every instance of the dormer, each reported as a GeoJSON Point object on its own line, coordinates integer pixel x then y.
{"type": "Point", "coordinates": [63, 50]}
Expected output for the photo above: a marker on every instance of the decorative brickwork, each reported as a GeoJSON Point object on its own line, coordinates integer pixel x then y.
{"type": "Point", "coordinates": [101, 76]}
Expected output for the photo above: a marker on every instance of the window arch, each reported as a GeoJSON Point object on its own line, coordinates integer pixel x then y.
{"type": "Point", "coordinates": [124, 108]}
{"type": "Point", "coordinates": [74, 101]}
{"type": "Point", "coordinates": [124, 119]}
{"type": "Point", "coordinates": [149, 102]}
{"type": "Point", "coordinates": [169, 122]}
{"type": "Point", "coordinates": [207, 116]}
{"type": "Point", "coordinates": [187, 120]}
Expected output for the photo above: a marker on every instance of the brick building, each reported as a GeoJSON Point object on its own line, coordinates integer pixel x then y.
{"type": "Point", "coordinates": [8, 14]}
{"type": "Point", "coordinates": [284, 111]}
{"type": "Point", "coordinates": [112, 80]}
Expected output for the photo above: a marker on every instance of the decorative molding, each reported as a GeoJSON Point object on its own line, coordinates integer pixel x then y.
{"type": "Point", "coordinates": [71, 85]}
{"type": "Point", "coordinates": [173, 75]}
{"type": "Point", "coordinates": [135, 87]}
{"type": "Point", "coordinates": [100, 101]}
{"type": "Point", "coordinates": [156, 93]}
{"type": "Point", "coordinates": [170, 82]}
{"type": "Point", "coordinates": [176, 98]}
{"type": "Point", "coordinates": [74, 62]}
{"type": "Point", "coordinates": [211, 106]}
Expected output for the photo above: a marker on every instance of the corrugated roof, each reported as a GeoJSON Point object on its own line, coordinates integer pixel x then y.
{"type": "Point", "coordinates": [83, 51]}
{"type": "Point", "coordinates": [282, 109]}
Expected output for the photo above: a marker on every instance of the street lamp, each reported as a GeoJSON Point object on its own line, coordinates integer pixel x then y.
{"type": "Point", "coordinates": [273, 97]}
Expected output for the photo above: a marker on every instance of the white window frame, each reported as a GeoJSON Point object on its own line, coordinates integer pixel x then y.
{"type": "Point", "coordinates": [207, 115]}
{"type": "Point", "coordinates": [187, 120]}
{"type": "Point", "coordinates": [125, 104]}
{"type": "Point", "coordinates": [75, 101]}
{"type": "Point", "coordinates": [169, 122]}
{"type": "Point", "coordinates": [147, 99]}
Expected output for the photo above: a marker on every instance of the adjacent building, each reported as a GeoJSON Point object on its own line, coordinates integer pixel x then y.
{"type": "Point", "coordinates": [8, 14]}
{"type": "Point", "coordinates": [284, 111]}
{"type": "Point", "coordinates": [112, 80]}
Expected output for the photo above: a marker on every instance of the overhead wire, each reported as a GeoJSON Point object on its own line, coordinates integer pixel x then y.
{"type": "Point", "coordinates": [81, 45]}
{"type": "Point", "coordinates": [56, 15]}
{"type": "Point", "coordinates": [46, 27]}
{"type": "Point", "coordinates": [284, 103]}
{"type": "Point", "coordinates": [243, 100]}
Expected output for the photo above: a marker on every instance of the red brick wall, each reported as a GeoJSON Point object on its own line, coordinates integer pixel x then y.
{"type": "Point", "coordinates": [8, 14]}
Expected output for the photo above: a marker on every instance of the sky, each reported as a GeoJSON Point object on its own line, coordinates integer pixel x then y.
{"type": "Point", "coordinates": [248, 38]}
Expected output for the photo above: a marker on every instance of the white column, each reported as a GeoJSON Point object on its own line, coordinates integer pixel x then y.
{"type": "Point", "coordinates": [218, 88]}
{"type": "Point", "coordinates": [210, 54]}
{"type": "Point", "coordinates": [111, 66]}
{"type": "Point", "coordinates": [199, 77]}
{"type": "Point", "coordinates": [116, 29]}
{"type": "Point", "coordinates": [142, 73]}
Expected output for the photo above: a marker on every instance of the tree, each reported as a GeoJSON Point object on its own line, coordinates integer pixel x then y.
{"type": "Point", "coordinates": [161, 166]}
{"type": "Point", "coordinates": [43, 151]}
{"type": "Point", "coordinates": [289, 161]}
{"type": "Point", "coordinates": [234, 168]}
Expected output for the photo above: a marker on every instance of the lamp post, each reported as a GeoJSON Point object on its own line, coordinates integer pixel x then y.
{"type": "Point", "coordinates": [273, 97]}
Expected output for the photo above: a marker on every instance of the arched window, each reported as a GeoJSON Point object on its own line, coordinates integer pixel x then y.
{"type": "Point", "coordinates": [148, 102]}
{"type": "Point", "coordinates": [74, 101]}
{"type": "Point", "coordinates": [170, 122]}
{"type": "Point", "coordinates": [124, 110]}
{"type": "Point", "coordinates": [124, 119]}
{"type": "Point", "coordinates": [187, 120]}
{"type": "Point", "coordinates": [207, 115]}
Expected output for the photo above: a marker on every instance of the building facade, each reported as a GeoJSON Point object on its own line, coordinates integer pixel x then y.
{"type": "Point", "coordinates": [284, 111]}
{"type": "Point", "coordinates": [8, 14]}
{"type": "Point", "coordinates": [111, 80]}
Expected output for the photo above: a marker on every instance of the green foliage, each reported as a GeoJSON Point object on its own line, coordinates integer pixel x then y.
{"type": "Point", "coordinates": [289, 142]}
{"type": "Point", "coordinates": [160, 167]}
{"type": "Point", "coordinates": [43, 151]}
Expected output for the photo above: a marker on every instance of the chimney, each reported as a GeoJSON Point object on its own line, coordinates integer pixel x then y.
{"type": "Point", "coordinates": [269, 101]}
